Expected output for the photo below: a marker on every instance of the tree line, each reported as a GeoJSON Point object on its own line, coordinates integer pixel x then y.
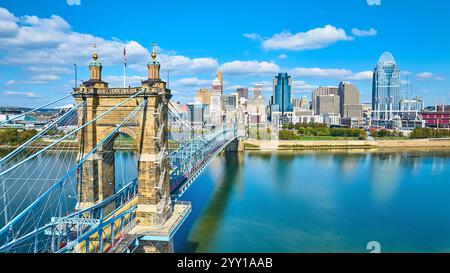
{"type": "Point", "coordinates": [12, 136]}
{"type": "Point", "coordinates": [296, 131]}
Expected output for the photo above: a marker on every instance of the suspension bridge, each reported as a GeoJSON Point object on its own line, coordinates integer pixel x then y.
{"type": "Point", "coordinates": [70, 192]}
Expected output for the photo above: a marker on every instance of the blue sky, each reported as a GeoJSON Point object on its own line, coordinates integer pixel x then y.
{"type": "Point", "coordinates": [319, 42]}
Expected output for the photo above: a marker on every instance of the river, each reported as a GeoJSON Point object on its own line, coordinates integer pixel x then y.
{"type": "Point", "coordinates": [317, 201]}
{"type": "Point", "coordinates": [321, 201]}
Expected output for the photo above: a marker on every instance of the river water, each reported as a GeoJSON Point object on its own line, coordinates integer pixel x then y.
{"type": "Point", "coordinates": [321, 201]}
{"type": "Point", "coordinates": [317, 201]}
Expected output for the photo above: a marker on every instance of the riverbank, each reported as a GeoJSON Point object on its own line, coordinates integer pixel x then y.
{"type": "Point", "coordinates": [292, 145]}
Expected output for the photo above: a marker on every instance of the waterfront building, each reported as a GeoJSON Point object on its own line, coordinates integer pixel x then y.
{"type": "Point", "coordinates": [280, 104]}
{"type": "Point", "coordinates": [305, 116]}
{"type": "Point", "coordinates": [436, 119]}
{"type": "Point", "coordinates": [242, 92]}
{"type": "Point", "coordinates": [385, 88]}
{"type": "Point", "coordinates": [332, 119]}
{"type": "Point", "coordinates": [216, 100]}
{"type": "Point", "coordinates": [349, 101]}
{"type": "Point", "coordinates": [231, 102]}
{"type": "Point", "coordinates": [197, 114]}
{"type": "Point", "coordinates": [328, 104]}
{"type": "Point", "coordinates": [256, 109]}
{"type": "Point", "coordinates": [203, 96]}
{"type": "Point", "coordinates": [322, 91]}
{"type": "Point", "coordinates": [257, 90]}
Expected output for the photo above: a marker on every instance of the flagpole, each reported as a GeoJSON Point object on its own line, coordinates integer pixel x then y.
{"type": "Point", "coordinates": [123, 75]}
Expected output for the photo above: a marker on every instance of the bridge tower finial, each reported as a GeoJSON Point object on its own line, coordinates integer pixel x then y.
{"type": "Point", "coordinates": [154, 51]}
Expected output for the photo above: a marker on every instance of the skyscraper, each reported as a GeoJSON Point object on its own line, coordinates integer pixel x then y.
{"type": "Point", "coordinates": [322, 91]}
{"type": "Point", "coordinates": [203, 96]}
{"type": "Point", "coordinates": [328, 104]}
{"type": "Point", "coordinates": [257, 90]}
{"type": "Point", "coordinates": [349, 101]}
{"type": "Point", "coordinates": [385, 88]}
{"type": "Point", "coordinates": [243, 92]}
{"type": "Point", "coordinates": [281, 99]}
{"type": "Point", "coordinates": [216, 100]}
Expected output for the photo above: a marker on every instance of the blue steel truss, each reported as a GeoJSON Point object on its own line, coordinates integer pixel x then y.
{"type": "Point", "coordinates": [101, 227]}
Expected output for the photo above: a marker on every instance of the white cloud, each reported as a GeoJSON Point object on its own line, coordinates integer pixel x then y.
{"type": "Point", "coordinates": [320, 72]}
{"type": "Point", "coordinates": [362, 33]}
{"type": "Point", "coordinates": [185, 65]}
{"type": "Point", "coordinates": [429, 75]}
{"type": "Point", "coordinates": [302, 86]}
{"type": "Point", "coordinates": [73, 2]}
{"type": "Point", "coordinates": [331, 73]}
{"type": "Point", "coordinates": [48, 45]}
{"type": "Point", "coordinates": [35, 79]}
{"type": "Point", "coordinates": [114, 80]}
{"type": "Point", "coordinates": [21, 94]}
{"type": "Point", "coordinates": [313, 39]}
{"type": "Point", "coordinates": [252, 36]}
{"type": "Point", "coordinates": [192, 82]}
{"type": "Point", "coordinates": [249, 68]}
{"type": "Point", "coordinates": [362, 76]}
{"type": "Point", "coordinates": [44, 78]}
{"type": "Point", "coordinates": [282, 56]}
{"type": "Point", "coordinates": [8, 25]}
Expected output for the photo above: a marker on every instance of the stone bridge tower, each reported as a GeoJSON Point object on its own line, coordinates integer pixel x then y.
{"type": "Point", "coordinates": [96, 179]}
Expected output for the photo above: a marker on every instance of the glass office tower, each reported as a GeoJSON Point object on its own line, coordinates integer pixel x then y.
{"type": "Point", "coordinates": [385, 88]}
{"type": "Point", "coordinates": [281, 101]}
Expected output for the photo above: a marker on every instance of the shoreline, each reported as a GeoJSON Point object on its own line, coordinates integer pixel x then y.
{"type": "Point", "coordinates": [296, 145]}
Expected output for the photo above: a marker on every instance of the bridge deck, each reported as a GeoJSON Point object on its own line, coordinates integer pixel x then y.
{"type": "Point", "coordinates": [165, 232]}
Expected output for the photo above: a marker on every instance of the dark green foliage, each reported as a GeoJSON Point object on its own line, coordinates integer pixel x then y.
{"type": "Point", "coordinates": [429, 133]}
{"type": "Point", "coordinates": [14, 137]}
{"type": "Point", "coordinates": [293, 132]}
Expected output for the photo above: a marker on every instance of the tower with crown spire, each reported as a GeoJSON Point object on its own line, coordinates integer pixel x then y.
{"type": "Point", "coordinates": [154, 79]}
{"type": "Point", "coordinates": [95, 72]}
{"type": "Point", "coordinates": [97, 177]}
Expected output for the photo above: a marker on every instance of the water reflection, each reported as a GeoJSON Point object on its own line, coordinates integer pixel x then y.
{"type": "Point", "coordinates": [205, 229]}
{"type": "Point", "coordinates": [322, 201]}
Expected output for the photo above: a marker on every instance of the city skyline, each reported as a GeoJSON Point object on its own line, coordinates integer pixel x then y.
{"type": "Point", "coordinates": [40, 43]}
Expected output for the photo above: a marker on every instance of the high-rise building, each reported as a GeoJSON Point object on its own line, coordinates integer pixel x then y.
{"type": "Point", "coordinates": [242, 92]}
{"type": "Point", "coordinates": [203, 96]}
{"type": "Point", "coordinates": [328, 104]}
{"type": "Point", "coordinates": [385, 88]}
{"type": "Point", "coordinates": [257, 90]}
{"type": "Point", "coordinates": [281, 108]}
{"type": "Point", "coordinates": [322, 91]}
{"type": "Point", "coordinates": [197, 114]}
{"type": "Point", "coordinates": [281, 98]}
{"type": "Point", "coordinates": [216, 100]}
{"type": "Point", "coordinates": [349, 101]}
{"type": "Point", "coordinates": [231, 101]}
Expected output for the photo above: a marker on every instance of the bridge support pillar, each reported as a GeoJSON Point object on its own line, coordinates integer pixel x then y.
{"type": "Point", "coordinates": [234, 146]}
{"type": "Point", "coordinates": [97, 178]}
